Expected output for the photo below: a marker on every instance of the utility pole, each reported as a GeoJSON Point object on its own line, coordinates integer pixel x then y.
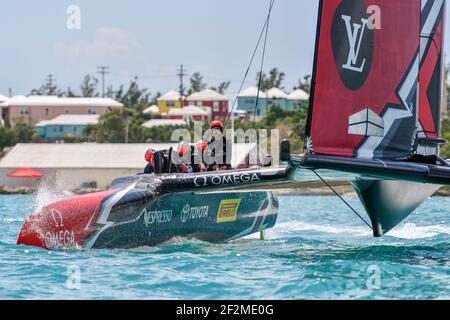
{"type": "Point", "coordinates": [181, 73]}
{"type": "Point", "coordinates": [49, 84]}
{"type": "Point", "coordinates": [103, 70]}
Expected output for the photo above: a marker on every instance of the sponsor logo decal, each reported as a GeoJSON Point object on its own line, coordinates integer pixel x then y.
{"type": "Point", "coordinates": [157, 217]}
{"type": "Point", "coordinates": [228, 210]}
{"type": "Point", "coordinates": [60, 239]}
{"type": "Point", "coordinates": [57, 218]}
{"type": "Point", "coordinates": [366, 123]}
{"type": "Point", "coordinates": [352, 39]}
{"type": "Point", "coordinates": [224, 180]}
{"type": "Point", "coordinates": [194, 213]}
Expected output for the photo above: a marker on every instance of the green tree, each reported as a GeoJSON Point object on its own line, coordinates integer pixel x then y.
{"type": "Point", "coordinates": [275, 79]}
{"type": "Point", "coordinates": [21, 133]}
{"type": "Point", "coordinates": [123, 125]}
{"type": "Point", "coordinates": [89, 87]}
{"type": "Point", "coordinates": [197, 83]}
{"type": "Point", "coordinates": [111, 128]}
{"type": "Point", "coordinates": [7, 138]}
{"type": "Point", "coordinates": [222, 87]}
{"type": "Point", "coordinates": [304, 84]}
{"type": "Point", "coordinates": [132, 96]}
{"type": "Point", "coordinates": [49, 88]}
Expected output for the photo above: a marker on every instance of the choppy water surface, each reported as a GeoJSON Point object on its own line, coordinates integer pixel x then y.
{"type": "Point", "coordinates": [318, 250]}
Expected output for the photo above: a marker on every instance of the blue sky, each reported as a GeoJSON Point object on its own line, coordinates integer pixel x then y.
{"type": "Point", "coordinates": [150, 39]}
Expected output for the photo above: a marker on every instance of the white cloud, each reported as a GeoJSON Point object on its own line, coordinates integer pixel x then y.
{"type": "Point", "coordinates": [106, 42]}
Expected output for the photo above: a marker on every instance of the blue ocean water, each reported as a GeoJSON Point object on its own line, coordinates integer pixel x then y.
{"type": "Point", "coordinates": [318, 250]}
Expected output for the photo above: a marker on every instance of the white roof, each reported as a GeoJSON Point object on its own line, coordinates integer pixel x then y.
{"type": "Point", "coordinates": [78, 155]}
{"type": "Point", "coordinates": [71, 119]}
{"type": "Point", "coordinates": [163, 123]}
{"type": "Point", "coordinates": [298, 94]}
{"type": "Point", "coordinates": [151, 109]}
{"type": "Point", "coordinates": [188, 111]}
{"type": "Point", "coordinates": [251, 92]}
{"type": "Point", "coordinates": [276, 93]}
{"type": "Point", "coordinates": [170, 96]}
{"type": "Point", "coordinates": [3, 98]}
{"type": "Point", "coordinates": [53, 101]}
{"type": "Point", "coordinates": [207, 95]}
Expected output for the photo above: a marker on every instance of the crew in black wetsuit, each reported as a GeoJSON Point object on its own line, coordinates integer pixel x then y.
{"type": "Point", "coordinates": [220, 148]}
{"type": "Point", "coordinates": [149, 157]}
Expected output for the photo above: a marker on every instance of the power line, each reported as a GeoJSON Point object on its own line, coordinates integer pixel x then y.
{"type": "Point", "coordinates": [50, 81]}
{"type": "Point", "coordinates": [103, 70]}
{"type": "Point", "coordinates": [181, 73]}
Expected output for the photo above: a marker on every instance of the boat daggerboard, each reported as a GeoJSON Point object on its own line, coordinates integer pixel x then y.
{"type": "Point", "coordinates": [431, 67]}
{"type": "Point", "coordinates": [364, 99]}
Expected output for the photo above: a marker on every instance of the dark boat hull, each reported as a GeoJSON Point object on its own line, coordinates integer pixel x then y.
{"type": "Point", "coordinates": [219, 217]}
{"type": "Point", "coordinates": [148, 210]}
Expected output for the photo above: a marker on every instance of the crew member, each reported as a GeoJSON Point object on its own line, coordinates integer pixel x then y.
{"type": "Point", "coordinates": [184, 165]}
{"type": "Point", "coordinates": [150, 158]}
{"type": "Point", "coordinates": [192, 157]}
{"type": "Point", "coordinates": [220, 149]}
{"type": "Point", "coordinates": [197, 156]}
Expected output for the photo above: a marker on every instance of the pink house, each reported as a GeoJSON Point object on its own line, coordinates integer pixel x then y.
{"type": "Point", "coordinates": [34, 109]}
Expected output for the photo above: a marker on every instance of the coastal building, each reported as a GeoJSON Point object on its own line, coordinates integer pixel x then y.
{"type": "Point", "coordinates": [66, 126]}
{"type": "Point", "coordinates": [189, 113]}
{"type": "Point", "coordinates": [276, 97]}
{"type": "Point", "coordinates": [153, 123]}
{"type": "Point", "coordinates": [247, 101]}
{"type": "Point", "coordinates": [70, 166]}
{"type": "Point", "coordinates": [273, 97]}
{"type": "Point", "coordinates": [296, 98]}
{"type": "Point", "coordinates": [151, 110]}
{"type": "Point", "coordinates": [209, 99]}
{"type": "Point", "coordinates": [171, 99]}
{"type": "Point", "coordinates": [34, 109]}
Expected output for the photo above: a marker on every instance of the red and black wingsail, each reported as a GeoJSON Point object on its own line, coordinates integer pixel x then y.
{"type": "Point", "coordinates": [364, 102]}
{"type": "Point", "coordinates": [431, 67]}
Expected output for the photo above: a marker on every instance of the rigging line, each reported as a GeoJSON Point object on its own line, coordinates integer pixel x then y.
{"type": "Point", "coordinates": [343, 200]}
{"type": "Point", "coordinates": [250, 64]}
{"type": "Point", "coordinates": [262, 63]}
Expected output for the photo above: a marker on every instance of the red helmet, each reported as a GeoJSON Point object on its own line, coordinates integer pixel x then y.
{"type": "Point", "coordinates": [183, 148]}
{"type": "Point", "coordinates": [150, 154]}
{"type": "Point", "coordinates": [202, 145]}
{"type": "Point", "coordinates": [217, 124]}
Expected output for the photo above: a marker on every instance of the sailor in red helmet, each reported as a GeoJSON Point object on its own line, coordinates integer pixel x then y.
{"type": "Point", "coordinates": [150, 158]}
{"type": "Point", "coordinates": [191, 157]}
{"type": "Point", "coordinates": [220, 149]}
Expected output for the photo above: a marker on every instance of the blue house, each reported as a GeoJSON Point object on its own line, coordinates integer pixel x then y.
{"type": "Point", "coordinates": [247, 101]}
{"type": "Point", "coordinates": [66, 126]}
{"type": "Point", "coordinates": [296, 99]}
{"type": "Point", "coordinates": [273, 97]}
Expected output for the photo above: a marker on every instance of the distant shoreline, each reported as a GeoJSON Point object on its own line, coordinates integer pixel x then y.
{"type": "Point", "coordinates": [342, 189]}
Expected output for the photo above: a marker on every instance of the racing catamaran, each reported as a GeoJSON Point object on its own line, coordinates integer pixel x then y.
{"type": "Point", "coordinates": [384, 96]}
{"type": "Point", "coordinates": [377, 73]}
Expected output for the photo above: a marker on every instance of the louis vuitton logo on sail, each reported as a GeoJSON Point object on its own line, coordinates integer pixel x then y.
{"type": "Point", "coordinates": [355, 35]}
{"type": "Point", "coordinates": [353, 40]}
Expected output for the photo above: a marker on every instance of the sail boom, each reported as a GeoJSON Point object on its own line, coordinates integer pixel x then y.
{"type": "Point", "coordinates": [378, 169]}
